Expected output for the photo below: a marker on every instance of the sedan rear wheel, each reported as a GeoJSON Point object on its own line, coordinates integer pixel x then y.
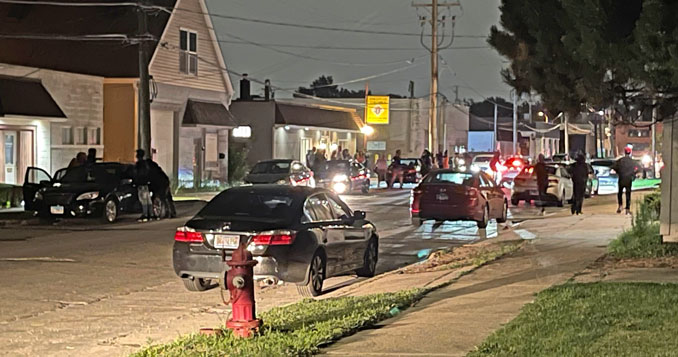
{"type": "Point", "coordinates": [486, 218]}
{"type": "Point", "coordinates": [370, 260]}
{"type": "Point", "coordinates": [316, 277]}
{"type": "Point", "coordinates": [563, 200]}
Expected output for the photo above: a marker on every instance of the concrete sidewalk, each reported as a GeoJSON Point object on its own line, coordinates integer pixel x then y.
{"type": "Point", "coordinates": [453, 320]}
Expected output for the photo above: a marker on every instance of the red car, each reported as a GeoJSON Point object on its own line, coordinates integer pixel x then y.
{"type": "Point", "coordinates": [458, 195]}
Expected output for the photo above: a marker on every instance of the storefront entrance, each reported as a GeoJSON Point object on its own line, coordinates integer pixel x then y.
{"type": "Point", "coordinates": [16, 154]}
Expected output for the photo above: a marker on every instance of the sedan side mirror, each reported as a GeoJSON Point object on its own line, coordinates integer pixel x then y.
{"type": "Point", "coordinates": [359, 215]}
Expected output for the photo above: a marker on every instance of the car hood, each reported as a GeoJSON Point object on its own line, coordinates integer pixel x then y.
{"type": "Point", "coordinates": [265, 178]}
{"type": "Point", "coordinates": [236, 225]}
{"type": "Point", "coordinates": [75, 188]}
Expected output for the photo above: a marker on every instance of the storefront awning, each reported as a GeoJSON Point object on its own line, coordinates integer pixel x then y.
{"type": "Point", "coordinates": [315, 117]}
{"type": "Point", "coordinates": [207, 113]}
{"type": "Point", "coordinates": [27, 97]}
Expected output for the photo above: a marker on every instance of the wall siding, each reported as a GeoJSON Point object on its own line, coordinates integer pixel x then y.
{"type": "Point", "coordinates": [165, 66]}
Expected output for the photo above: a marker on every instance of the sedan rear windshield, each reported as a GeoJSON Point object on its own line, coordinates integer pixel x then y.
{"type": "Point", "coordinates": [251, 205]}
{"type": "Point", "coordinates": [482, 159]}
{"type": "Point", "coordinates": [409, 162]}
{"type": "Point", "coordinates": [460, 178]}
{"type": "Point", "coordinates": [271, 168]}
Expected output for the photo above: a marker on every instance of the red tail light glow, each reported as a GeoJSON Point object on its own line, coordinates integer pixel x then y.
{"type": "Point", "coordinates": [414, 200]}
{"type": "Point", "coordinates": [186, 234]}
{"type": "Point", "coordinates": [274, 238]}
{"type": "Point", "coordinates": [472, 195]}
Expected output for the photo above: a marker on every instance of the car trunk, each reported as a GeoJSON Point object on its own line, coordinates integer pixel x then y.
{"type": "Point", "coordinates": [436, 198]}
{"type": "Point", "coordinates": [266, 178]}
{"type": "Point", "coordinates": [211, 227]}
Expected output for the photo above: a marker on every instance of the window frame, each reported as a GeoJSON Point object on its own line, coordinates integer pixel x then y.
{"type": "Point", "coordinates": [70, 134]}
{"type": "Point", "coordinates": [306, 219]}
{"type": "Point", "coordinates": [187, 54]}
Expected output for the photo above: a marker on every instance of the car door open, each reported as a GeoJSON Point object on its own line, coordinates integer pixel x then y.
{"type": "Point", "coordinates": [35, 179]}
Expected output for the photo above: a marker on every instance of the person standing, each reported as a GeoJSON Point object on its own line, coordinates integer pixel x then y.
{"type": "Point", "coordinates": [493, 165]}
{"type": "Point", "coordinates": [160, 187]}
{"type": "Point", "coordinates": [446, 160]}
{"type": "Point", "coordinates": [142, 181]}
{"type": "Point", "coordinates": [397, 170]}
{"type": "Point", "coordinates": [580, 175]}
{"type": "Point", "coordinates": [310, 158]}
{"type": "Point", "coordinates": [91, 156]}
{"type": "Point", "coordinates": [381, 168]}
{"type": "Point", "coordinates": [542, 181]}
{"type": "Point", "coordinates": [79, 160]}
{"type": "Point", "coordinates": [426, 163]}
{"type": "Point", "coordinates": [626, 171]}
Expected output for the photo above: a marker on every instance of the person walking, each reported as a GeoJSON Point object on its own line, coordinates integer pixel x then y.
{"type": "Point", "coordinates": [493, 165]}
{"type": "Point", "coordinates": [626, 171]}
{"type": "Point", "coordinates": [310, 158]}
{"type": "Point", "coordinates": [580, 175]}
{"type": "Point", "coordinates": [160, 187]}
{"type": "Point", "coordinates": [446, 160]}
{"type": "Point", "coordinates": [397, 170]}
{"type": "Point", "coordinates": [426, 162]}
{"type": "Point", "coordinates": [142, 181]}
{"type": "Point", "coordinates": [542, 181]}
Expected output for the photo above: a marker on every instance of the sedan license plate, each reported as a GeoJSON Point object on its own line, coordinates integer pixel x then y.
{"type": "Point", "coordinates": [442, 197]}
{"type": "Point", "coordinates": [56, 210]}
{"type": "Point", "coordinates": [222, 241]}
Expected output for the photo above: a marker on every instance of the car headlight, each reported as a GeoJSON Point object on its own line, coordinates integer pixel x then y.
{"type": "Point", "coordinates": [88, 196]}
{"type": "Point", "coordinates": [340, 178]}
{"type": "Point", "coordinates": [461, 162]}
{"type": "Point", "coordinates": [339, 187]}
{"type": "Point", "coordinates": [38, 196]}
{"type": "Point", "coordinates": [418, 168]}
{"type": "Point", "coordinates": [281, 182]}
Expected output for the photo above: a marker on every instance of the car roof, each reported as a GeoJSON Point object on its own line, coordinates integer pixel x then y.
{"type": "Point", "coordinates": [278, 189]}
{"type": "Point", "coordinates": [276, 160]}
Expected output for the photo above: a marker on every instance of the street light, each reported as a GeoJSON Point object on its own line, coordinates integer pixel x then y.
{"type": "Point", "coordinates": [542, 114]}
{"type": "Point", "coordinates": [367, 130]}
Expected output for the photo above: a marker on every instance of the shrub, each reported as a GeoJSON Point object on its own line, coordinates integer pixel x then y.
{"type": "Point", "coordinates": [237, 165]}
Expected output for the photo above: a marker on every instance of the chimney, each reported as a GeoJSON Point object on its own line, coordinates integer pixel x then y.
{"type": "Point", "coordinates": [267, 90]}
{"type": "Point", "coordinates": [245, 88]}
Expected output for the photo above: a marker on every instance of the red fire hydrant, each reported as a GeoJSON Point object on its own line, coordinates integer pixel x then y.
{"type": "Point", "coordinates": [240, 283]}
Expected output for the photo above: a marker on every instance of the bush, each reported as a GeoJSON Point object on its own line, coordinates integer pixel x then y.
{"type": "Point", "coordinates": [651, 205]}
{"type": "Point", "coordinates": [237, 165]}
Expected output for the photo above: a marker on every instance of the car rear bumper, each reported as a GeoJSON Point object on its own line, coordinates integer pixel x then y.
{"type": "Point", "coordinates": [197, 261]}
{"type": "Point", "coordinates": [445, 212]}
{"type": "Point", "coordinates": [81, 208]}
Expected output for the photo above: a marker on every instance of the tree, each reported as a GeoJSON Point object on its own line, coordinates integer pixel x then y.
{"type": "Point", "coordinates": [323, 87]}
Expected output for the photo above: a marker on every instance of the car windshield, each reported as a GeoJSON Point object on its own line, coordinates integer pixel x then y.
{"type": "Point", "coordinates": [271, 167]}
{"type": "Point", "coordinates": [251, 205]}
{"type": "Point", "coordinates": [460, 178]}
{"type": "Point", "coordinates": [409, 162]}
{"type": "Point", "coordinates": [102, 174]}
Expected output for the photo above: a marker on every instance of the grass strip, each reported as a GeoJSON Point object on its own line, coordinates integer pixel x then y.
{"type": "Point", "coordinates": [297, 329]}
{"type": "Point", "coordinates": [596, 319]}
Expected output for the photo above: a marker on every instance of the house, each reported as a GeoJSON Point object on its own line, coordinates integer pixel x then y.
{"type": "Point", "coordinates": [66, 47]}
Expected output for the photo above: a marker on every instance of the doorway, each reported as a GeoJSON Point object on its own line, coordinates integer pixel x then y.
{"type": "Point", "coordinates": [10, 159]}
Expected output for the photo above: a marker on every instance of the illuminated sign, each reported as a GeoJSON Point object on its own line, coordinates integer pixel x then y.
{"type": "Point", "coordinates": [376, 110]}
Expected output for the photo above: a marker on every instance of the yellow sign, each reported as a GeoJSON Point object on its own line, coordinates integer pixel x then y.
{"type": "Point", "coordinates": [376, 110]}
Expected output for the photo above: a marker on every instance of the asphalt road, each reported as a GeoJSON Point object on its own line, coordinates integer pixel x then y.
{"type": "Point", "coordinates": [79, 287]}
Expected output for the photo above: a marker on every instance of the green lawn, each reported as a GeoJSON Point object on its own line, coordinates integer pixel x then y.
{"type": "Point", "coordinates": [597, 319]}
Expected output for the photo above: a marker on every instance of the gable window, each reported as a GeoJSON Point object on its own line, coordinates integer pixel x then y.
{"type": "Point", "coordinates": [188, 54]}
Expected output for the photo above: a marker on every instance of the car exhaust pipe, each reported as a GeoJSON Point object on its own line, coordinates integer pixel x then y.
{"type": "Point", "coordinates": [270, 281]}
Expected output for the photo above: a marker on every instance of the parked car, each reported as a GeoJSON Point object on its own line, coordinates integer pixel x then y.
{"type": "Point", "coordinates": [607, 178]}
{"type": "Point", "coordinates": [412, 172]}
{"type": "Point", "coordinates": [559, 187]}
{"type": "Point", "coordinates": [101, 189]}
{"type": "Point", "coordinates": [558, 158]}
{"type": "Point", "coordinates": [280, 172]}
{"type": "Point", "coordinates": [458, 195]}
{"type": "Point", "coordinates": [298, 235]}
{"type": "Point", "coordinates": [481, 162]}
{"type": "Point", "coordinates": [591, 181]}
{"type": "Point", "coordinates": [343, 176]}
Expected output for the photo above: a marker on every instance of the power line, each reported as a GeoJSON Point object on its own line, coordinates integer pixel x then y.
{"type": "Point", "coordinates": [98, 37]}
{"type": "Point", "coordinates": [349, 48]}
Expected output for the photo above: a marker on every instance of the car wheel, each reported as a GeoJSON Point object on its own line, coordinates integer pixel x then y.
{"type": "Point", "coordinates": [562, 200]}
{"type": "Point", "coordinates": [485, 220]}
{"type": "Point", "coordinates": [159, 209]}
{"type": "Point", "coordinates": [111, 210]}
{"type": "Point", "coordinates": [504, 213]}
{"type": "Point", "coordinates": [316, 277]}
{"type": "Point", "coordinates": [196, 284]}
{"type": "Point", "coordinates": [515, 201]}
{"type": "Point", "coordinates": [369, 260]}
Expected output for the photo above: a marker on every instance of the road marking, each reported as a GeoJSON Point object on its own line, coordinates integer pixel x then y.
{"type": "Point", "coordinates": [39, 259]}
{"type": "Point", "coordinates": [525, 234]}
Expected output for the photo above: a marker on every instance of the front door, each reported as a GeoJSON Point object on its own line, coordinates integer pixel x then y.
{"type": "Point", "coordinates": [10, 157]}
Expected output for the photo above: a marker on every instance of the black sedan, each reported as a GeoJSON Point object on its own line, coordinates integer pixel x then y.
{"type": "Point", "coordinates": [299, 235]}
{"type": "Point", "coordinates": [101, 189]}
{"type": "Point", "coordinates": [343, 176]}
{"type": "Point", "coordinates": [280, 172]}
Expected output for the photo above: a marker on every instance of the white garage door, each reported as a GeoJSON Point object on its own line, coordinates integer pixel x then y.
{"type": "Point", "coordinates": [162, 139]}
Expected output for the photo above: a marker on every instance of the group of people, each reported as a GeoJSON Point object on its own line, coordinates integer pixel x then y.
{"type": "Point", "coordinates": [147, 176]}
{"type": "Point", "coordinates": [316, 158]}
{"type": "Point", "coordinates": [625, 168]}
{"type": "Point", "coordinates": [398, 169]}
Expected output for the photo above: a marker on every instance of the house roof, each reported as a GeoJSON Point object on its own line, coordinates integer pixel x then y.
{"type": "Point", "coordinates": [25, 96]}
{"type": "Point", "coordinates": [29, 30]}
{"type": "Point", "coordinates": [315, 116]}
{"type": "Point", "coordinates": [207, 113]}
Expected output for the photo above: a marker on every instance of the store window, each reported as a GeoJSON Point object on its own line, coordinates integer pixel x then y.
{"type": "Point", "coordinates": [66, 135]}
{"type": "Point", "coordinates": [80, 136]}
{"type": "Point", "coordinates": [93, 136]}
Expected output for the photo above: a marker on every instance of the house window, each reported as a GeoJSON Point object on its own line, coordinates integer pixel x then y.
{"type": "Point", "coordinates": [188, 56]}
{"type": "Point", "coordinates": [93, 136]}
{"type": "Point", "coordinates": [66, 135]}
{"type": "Point", "coordinates": [639, 133]}
{"type": "Point", "coordinates": [80, 136]}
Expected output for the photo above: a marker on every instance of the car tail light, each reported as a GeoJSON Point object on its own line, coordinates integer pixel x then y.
{"type": "Point", "coordinates": [472, 196]}
{"type": "Point", "coordinates": [414, 200]}
{"type": "Point", "coordinates": [274, 238]}
{"type": "Point", "coordinates": [186, 234]}
{"type": "Point", "coordinates": [554, 181]}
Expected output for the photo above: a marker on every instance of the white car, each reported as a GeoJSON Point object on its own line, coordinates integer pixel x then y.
{"type": "Point", "coordinates": [482, 163]}
{"type": "Point", "coordinates": [559, 189]}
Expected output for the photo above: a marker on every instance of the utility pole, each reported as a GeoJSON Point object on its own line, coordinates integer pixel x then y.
{"type": "Point", "coordinates": [495, 126]}
{"type": "Point", "coordinates": [515, 123]}
{"type": "Point", "coordinates": [567, 133]}
{"type": "Point", "coordinates": [654, 138]}
{"type": "Point", "coordinates": [435, 46]}
{"type": "Point", "coordinates": [144, 96]}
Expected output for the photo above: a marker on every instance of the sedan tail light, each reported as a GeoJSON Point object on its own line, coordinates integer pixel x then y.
{"type": "Point", "coordinates": [274, 238]}
{"type": "Point", "coordinates": [186, 234]}
{"type": "Point", "coordinates": [414, 200]}
{"type": "Point", "coordinates": [472, 196]}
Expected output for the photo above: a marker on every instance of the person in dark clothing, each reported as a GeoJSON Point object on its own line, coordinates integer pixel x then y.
{"type": "Point", "coordinates": [91, 156]}
{"type": "Point", "coordinates": [160, 186]}
{"type": "Point", "coordinates": [493, 164]}
{"type": "Point", "coordinates": [142, 180]}
{"type": "Point", "coordinates": [580, 175]}
{"type": "Point", "coordinates": [397, 170]}
{"type": "Point", "coordinates": [439, 160]}
{"type": "Point", "coordinates": [542, 180]}
{"type": "Point", "coordinates": [626, 171]}
{"type": "Point", "coordinates": [79, 160]}
{"type": "Point", "coordinates": [426, 162]}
